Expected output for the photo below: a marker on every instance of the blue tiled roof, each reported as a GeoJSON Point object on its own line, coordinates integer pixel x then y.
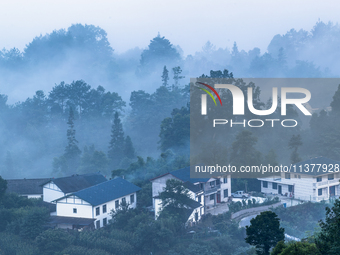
{"type": "Point", "coordinates": [106, 191]}
{"type": "Point", "coordinates": [184, 175]}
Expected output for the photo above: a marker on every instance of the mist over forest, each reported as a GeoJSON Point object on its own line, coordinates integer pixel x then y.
{"type": "Point", "coordinates": [69, 87]}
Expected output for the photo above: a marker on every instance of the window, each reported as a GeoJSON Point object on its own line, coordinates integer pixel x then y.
{"type": "Point", "coordinates": [265, 184]}
{"type": "Point", "coordinates": [97, 224]}
{"type": "Point", "coordinates": [225, 193]}
{"type": "Point", "coordinates": [295, 175]}
{"type": "Point", "coordinates": [132, 198]}
{"type": "Point", "coordinates": [212, 197]}
{"type": "Point", "coordinates": [97, 211]}
{"type": "Point", "coordinates": [104, 208]}
{"type": "Point", "coordinates": [116, 204]}
{"type": "Point", "coordinates": [318, 179]}
{"type": "Point", "coordinates": [274, 185]}
{"type": "Point", "coordinates": [287, 175]}
{"type": "Point", "coordinates": [199, 199]}
{"type": "Point", "coordinates": [299, 176]}
{"type": "Point", "coordinates": [319, 192]}
{"type": "Point", "coordinates": [330, 176]}
{"type": "Point", "coordinates": [212, 184]}
{"type": "Point", "coordinates": [123, 201]}
{"type": "Point", "coordinates": [290, 188]}
{"type": "Point", "coordinates": [104, 222]}
{"type": "Point", "coordinates": [74, 210]}
{"type": "Point", "coordinates": [218, 182]}
{"type": "Point", "coordinates": [225, 180]}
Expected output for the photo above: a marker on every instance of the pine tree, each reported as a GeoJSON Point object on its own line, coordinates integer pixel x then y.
{"type": "Point", "coordinates": [129, 151]}
{"type": "Point", "coordinates": [68, 163]}
{"type": "Point", "coordinates": [165, 77]}
{"type": "Point", "coordinates": [71, 151]}
{"type": "Point", "coordinates": [294, 143]}
{"type": "Point", "coordinates": [116, 147]}
{"type": "Point", "coordinates": [177, 75]}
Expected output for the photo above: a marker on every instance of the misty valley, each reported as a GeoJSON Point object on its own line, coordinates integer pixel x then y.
{"type": "Point", "coordinates": [95, 147]}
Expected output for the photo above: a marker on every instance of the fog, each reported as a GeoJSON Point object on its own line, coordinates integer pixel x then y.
{"type": "Point", "coordinates": [34, 123]}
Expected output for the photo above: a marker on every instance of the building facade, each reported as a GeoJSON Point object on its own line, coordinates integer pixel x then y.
{"type": "Point", "coordinates": [95, 203]}
{"type": "Point", "coordinates": [321, 182]}
{"type": "Point", "coordinates": [60, 187]}
{"type": "Point", "coordinates": [207, 192]}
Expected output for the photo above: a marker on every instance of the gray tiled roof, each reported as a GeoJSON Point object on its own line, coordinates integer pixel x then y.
{"type": "Point", "coordinates": [184, 175]}
{"type": "Point", "coordinates": [78, 182]}
{"type": "Point", "coordinates": [26, 186]}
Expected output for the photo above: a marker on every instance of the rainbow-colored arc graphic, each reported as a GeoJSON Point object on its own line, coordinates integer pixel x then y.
{"type": "Point", "coordinates": [213, 90]}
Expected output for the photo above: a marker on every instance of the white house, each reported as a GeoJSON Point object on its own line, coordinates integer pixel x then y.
{"type": "Point", "coordinates": [321, 182]}
{"type": "Point", "coordinates": [207, 192]}
{"type": "Point", "coordinates": [60, 187]}
{"type": "Point", "coordinates": [30, 188]}
{"type": "Point", "coordinates": [94, 204]}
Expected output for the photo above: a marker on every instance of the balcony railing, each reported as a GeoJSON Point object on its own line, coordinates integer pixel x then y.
{"type": "Point", "coordinates": [209, 190]}
{"type": "Point", "coordinates": [326, 183]}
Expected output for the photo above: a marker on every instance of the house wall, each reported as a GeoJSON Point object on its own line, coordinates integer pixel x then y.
{"type": "Point", "coordinates": [110, 206]}
{"type": "Point", "coordinates": [305, 186]}
{"type": "Point", "coordinates": [199, 211]}
{"type": "Point", "coordinates": [65, 208]}
{"type": "Point", "coordinates": [158, 203]}
{"type": "Point", "coordinates": [158, 186]}
{"type": "Point", "coordinates": [34, 196]}
{"type": "Point", "coordinates": [225, 186]}
{"type": "Point", "coordinates": [51, 192]}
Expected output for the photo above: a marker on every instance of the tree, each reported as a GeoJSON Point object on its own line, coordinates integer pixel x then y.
{"type": "Point", "coordinates": [243, 151]}
{"type": "Point", "coordinates": [54, 240]}
{"type": "Point", "coordinates": [328, 239]}
{"type": "Point", "coordinates": [335, 104]}
{"type": "Point", "coordinates": [3, 187]}
{"type": "Point", "coordinates": [271, 158]}
{"type": "Point", "coordinates": [129, 151]}
{"type": "Point", "coordinates": [165, 77]}
{"type": "Point", "coordinates": [176, 201]}
{"type": "Point", "coordinates": [160, 51]}
{"type": "Point", "coordinates": [72, 152]}
{"type": "Point", "coordinates": [295, 248]}
{"type": "Point", "coordinates": [294, 143]}
{"type": "Point", "coordinates": [116, 147]}
{"type": "Point", "coordinates": [264, 232]}
{"type": "Point", "coordinates": [69, 161]}
{"type": "Point", "coordinates": [175, 130]}
{"type": "Point", "coordinates": [93, 161]}
{"type": "Point", "coordinates": [177, 75]}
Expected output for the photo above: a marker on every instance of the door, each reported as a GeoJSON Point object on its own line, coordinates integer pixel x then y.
{"type": "Point", "coordinates": [218, 197]}
{"type": "Point", "coordinates": [280, 189]}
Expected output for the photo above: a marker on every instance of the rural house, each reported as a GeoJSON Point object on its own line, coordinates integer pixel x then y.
{"type": "Point", "coordinates": [94, 204]}
{"type": "Point", "coordinates": [206, 191]}
{"type": "Point", "coordinates": [60, 187]}
{"type": "Point", "coordinates": [30, 188]}
{"type": "Point", "coordinates": [321, 182]}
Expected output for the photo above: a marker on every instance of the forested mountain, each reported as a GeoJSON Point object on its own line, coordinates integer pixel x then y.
{"type": "Point", "coordinates": [146, 91]}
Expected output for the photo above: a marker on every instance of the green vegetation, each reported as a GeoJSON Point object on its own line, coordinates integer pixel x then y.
{"type": "Point", "coordinates": [264, 232]}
